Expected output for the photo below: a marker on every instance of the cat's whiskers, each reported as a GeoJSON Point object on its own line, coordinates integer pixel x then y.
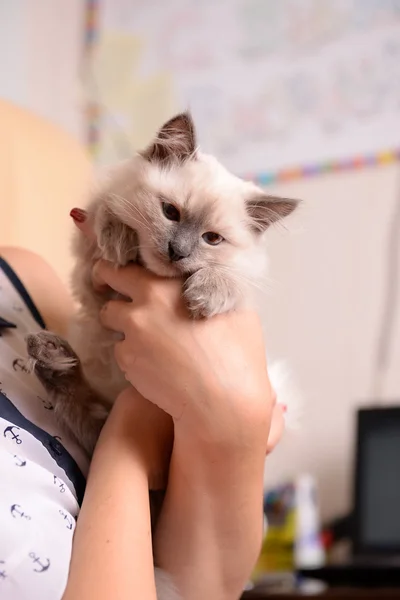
{"type": "Point", "coordinates": [128, 207]}
{"type": "Point", "coordinates": [242, 278]}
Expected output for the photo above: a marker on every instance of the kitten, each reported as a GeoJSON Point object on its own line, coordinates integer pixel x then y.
{"type": "Point", "coordinates": [179, 213]}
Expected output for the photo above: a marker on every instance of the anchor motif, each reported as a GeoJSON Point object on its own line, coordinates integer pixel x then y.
{"type": "Point", "coordinates": [60, 484]}
{"type": "Point", "coordinates": [19, 461]}
{"type": "Point", "coordinates": [67, 518]}
{"type": "Point", "coordinates": [14, 436]}
{"type": "Point", "coordinates": [19, 364]}
{"type": "Point", "coordinates": [46, 403]}
{"type": "Point", "coordinates": [16, 510]}
{"type": "Point", "coordinates": [37, 561]}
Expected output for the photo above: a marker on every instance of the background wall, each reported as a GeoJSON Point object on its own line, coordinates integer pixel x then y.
{"type": "Point", "coordinates": [324, 313]}
{"type": "Point", "coordinates": [43, 169]}
{"type": "Point", "coordinates": [324, 303]}
{"type": "Point", "coordinates": [41, 43]}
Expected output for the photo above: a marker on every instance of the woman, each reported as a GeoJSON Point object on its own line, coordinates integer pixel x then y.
{"type": "Point", "coordinates": [209, 376]}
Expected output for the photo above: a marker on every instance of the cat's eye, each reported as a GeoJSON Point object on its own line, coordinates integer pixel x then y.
{"type": "Point", "coordinates": [170, 211]}
{"type": "Point", "coordinates": [212, 238]}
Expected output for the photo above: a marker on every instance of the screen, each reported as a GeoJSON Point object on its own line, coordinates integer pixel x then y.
{"type": "Point", "coordinates": [378, 497]}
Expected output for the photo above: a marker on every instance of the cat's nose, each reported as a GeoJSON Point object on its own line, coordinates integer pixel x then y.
{"type": "Point", "coordinates": [176, 254]}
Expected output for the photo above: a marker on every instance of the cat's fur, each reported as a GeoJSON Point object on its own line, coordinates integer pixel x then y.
{"type": "Point", "coordinates": [130, 225]}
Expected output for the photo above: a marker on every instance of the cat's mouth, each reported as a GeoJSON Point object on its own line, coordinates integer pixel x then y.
{"type": "Point", "coordinates": [159, 263]}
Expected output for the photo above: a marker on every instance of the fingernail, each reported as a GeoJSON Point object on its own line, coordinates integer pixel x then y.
{"type": "Point", "coordinates": [78, 215]}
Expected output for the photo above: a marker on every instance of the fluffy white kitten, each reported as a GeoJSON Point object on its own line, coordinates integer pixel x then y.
{"type": "Point", "coordinates": [179, 213]}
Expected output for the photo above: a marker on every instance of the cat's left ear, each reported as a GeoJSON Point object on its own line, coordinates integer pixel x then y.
{"type": "Point", "coordinates": [265, 210]}
{"type": "Point", "coordinates": [175, 141]}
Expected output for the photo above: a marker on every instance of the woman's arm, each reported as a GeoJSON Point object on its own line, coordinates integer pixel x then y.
{"type": "Point", "coordinates": [211, 377]}
{"type": "Point", "coordinates": [112, 551]}
{"type": "Point", "coordinates": [44, 286]}
{"type": "Point", "coordinates": [210, 530]}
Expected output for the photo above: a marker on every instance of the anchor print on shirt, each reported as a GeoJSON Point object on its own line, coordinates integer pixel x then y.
{"type": "Point", "coordinates": [57, 481]}
{"type": "Point", "coordinates": [19, 365]}
{"type": "Point", "coordinates": [67, 519]}
{"type": "Point", "coordinates": [5, 325]}
{"type": "Point", "coordinates": [10, 434]}
{"type": "Point", "coordinates": [20, 462]}
{"type": "Point", "coordinates": [41, 564]}
{"type": "Point", "coordinates": [17, 512]}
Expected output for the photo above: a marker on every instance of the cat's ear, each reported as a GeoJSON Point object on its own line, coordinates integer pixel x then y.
{"type": "Point", "coordinates": [265, 210]}
{"type": "Point", "coordinates": [175, 141]}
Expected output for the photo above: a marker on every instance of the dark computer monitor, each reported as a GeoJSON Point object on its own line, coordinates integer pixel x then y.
{"type": "Point", "coordinates": [376, 524]}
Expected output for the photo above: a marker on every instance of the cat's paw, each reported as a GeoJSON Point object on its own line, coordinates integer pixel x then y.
{"type": "Point", "coordinates": [52, 357]}
{"type": "Point", "coordinates": [118, 243]}
{"type": "Point", "coordinates": [209, 292]}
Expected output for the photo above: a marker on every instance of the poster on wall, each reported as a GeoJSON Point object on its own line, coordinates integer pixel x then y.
{"type": "Point", "coordinates": [277, 89]}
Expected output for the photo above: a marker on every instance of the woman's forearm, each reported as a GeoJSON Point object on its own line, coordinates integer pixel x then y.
{"type": "Point", "coordinates": [210, 529]}
{"type": "Point", "coordinates": [112, 551]}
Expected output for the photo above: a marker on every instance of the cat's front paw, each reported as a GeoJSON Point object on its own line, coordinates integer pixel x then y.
{"type": "Point", "coordinates": [53, 358]}
{"type": "Point", "coordinates": [118, 243]}
{"type": "Point", "coordinates": [209, 292]}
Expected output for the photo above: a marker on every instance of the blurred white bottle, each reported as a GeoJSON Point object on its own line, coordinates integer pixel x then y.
{"type": "Point", "coordinates": [309, 551]}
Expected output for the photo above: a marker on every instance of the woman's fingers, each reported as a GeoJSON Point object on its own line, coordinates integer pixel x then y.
{"type": "Point", "coordinates": [81, 221]}
{"type": "Point", "coordinates": [124, 357]}
{"type": "Point", "coordinates": [128, 281]}
{"type": "Point", "coordinates": [115, 315]}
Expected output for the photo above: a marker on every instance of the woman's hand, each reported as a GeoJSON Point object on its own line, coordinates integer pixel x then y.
{"type": "Point", "coordinates": [201, 372]}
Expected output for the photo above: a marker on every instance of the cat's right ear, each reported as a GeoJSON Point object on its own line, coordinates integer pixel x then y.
{"type": "Point", "coordinates": [264, 210]}
{"type": "Point", "coordinates": [175, 141]}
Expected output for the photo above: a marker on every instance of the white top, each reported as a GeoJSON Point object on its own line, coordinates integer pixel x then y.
{"type": "Point", "coordinates": [42, 471]}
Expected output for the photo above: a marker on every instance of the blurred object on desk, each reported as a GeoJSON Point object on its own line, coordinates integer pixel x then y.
{"type": "Point", "coordinates": [293, 538]}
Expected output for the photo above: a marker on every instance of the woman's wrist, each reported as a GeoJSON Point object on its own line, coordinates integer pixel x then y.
{"type": "Point", "coordinates": [141, 428]}
{"type": "Point", "coordinates": [118, 435]}
{"type": "Point", "coordinates": [224, 419]}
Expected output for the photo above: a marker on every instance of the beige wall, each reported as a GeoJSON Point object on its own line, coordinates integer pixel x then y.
{"type": "Point", "coordinates": [41, 45]}
{"type": "Point", "coordinates": [323, 313]}
{"type": "Point", "coordinates": [43, 173]}
{"type": "Point", "coordinates": [324, 305]}
{"type": "Point", "coordinates": [43, 170]}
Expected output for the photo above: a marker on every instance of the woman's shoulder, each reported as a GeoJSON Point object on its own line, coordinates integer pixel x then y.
{"type": "Point", "coordinates": [46, 289]}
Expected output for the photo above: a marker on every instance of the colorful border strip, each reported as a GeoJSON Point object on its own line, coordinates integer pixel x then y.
{"type": "Point", "coordinates": [359, 162]}
{"type": "Point", "coordinates": [93, 115]}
